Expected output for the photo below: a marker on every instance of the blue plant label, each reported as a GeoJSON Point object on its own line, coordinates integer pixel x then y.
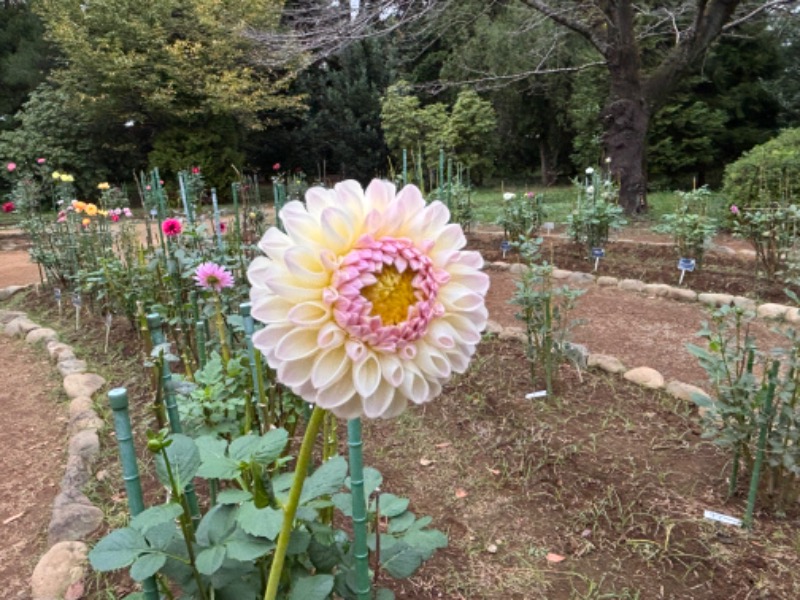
{"type": "Point", "coordinates": [598, 253]}
{"type": "Point", "coordinates": [76, 300]}
{"type": "Point", "coordinates": [548, 226]}
{"type": "Point", "coordinates": [153, 212]}
{"type": "Point", "coordinates": [686, 264]}
{"type": "Point", "coordinates": [57, 293]}
{"type": "Point", "coordinates": [505, 245]}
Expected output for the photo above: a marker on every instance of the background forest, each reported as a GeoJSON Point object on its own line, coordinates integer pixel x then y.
{"type": "Point", "coordinates": [107, 87]}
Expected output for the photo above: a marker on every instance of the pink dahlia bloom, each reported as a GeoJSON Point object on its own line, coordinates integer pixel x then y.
{"type": "Point", "coordinates": [369, 299]}
{"type": "Point", "coordinates": [171, 227]}
{"type": "Point", "coordinates": [40, 161]}
{"type": "Point", "coordinates": [213, 277]}
{"type": "Point", "coordinates": [9, 207]}
{"type": "Point", "coordinates": [734, 209]}
{"type": "Point", "coordinates": [11, 166]}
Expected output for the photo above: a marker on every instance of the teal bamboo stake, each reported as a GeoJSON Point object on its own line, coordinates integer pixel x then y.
{"type": "Point", "coordinates": [118, 399]}
{"type": "Point", "coordinates": [405, 166]}
{"type": "Point", "coordinates": [449, 183]}
{"type": "Point", "coordinates": [360, 550]}
{"type": "Point", "coordinates": [237, 228]}
{"type": "Point", "coordinates": [184, 197]}
{"type": "Point", "coordinates": [157, 335]}
{"type": "Point", "coordinates": [766, 416]}
{"type": "Point", "coordinates": [200, 335]}
{"type": "Point", "coordinates": [256, 372]}
{"type": "Point", "coordinates": [441, 173]}
{"type": "Point", "coordinates": [217, 228]}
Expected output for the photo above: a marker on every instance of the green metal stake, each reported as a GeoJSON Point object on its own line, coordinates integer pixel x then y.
{"type": "Point", "coordinates": [157, 335]}
{"type": "Point", "coordinates": [766, 415]}
{"type": "Point", "coordinates": [184, 198]}
{"type": "Point", "coordinates": [405, 166]}
{"type": "Point", "coordinates": [256, 371]}
{"type": "Point", "coordinates": [441, 173]}
{"type": "Point", "coordinates": [360, 550]}
{"type": "Point", "coordinates": [118, 399]}
{"type": "Point", "coordinates": [200, 333]}
{"type": "Point", "coordinates": [237, 226]}
{"type": "Point", "coordinates": [449, 182]}
{"type": "Point", "coordinates": [217, 228]}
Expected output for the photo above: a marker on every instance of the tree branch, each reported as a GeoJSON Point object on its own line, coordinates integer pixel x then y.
{"type": "Point", "coordinates": [562, 18]}
{"type": "Point", "coordinates": [764, 7]}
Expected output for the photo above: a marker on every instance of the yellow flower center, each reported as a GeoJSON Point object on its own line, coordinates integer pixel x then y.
{"type": "Point", "coordinates": [391, 295]}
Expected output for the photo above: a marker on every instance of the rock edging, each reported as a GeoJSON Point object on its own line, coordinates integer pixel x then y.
{"type": "Point", "coordinates": [61, 571]}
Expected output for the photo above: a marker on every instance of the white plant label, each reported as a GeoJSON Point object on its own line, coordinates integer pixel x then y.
{"type": "Point", "coordinates": [727, 519]}
{"type": "Point", "coordinates": [533, 395]}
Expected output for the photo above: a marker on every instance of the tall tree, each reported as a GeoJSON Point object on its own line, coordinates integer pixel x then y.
{"type": "Point", "coordinates": [647, 48]}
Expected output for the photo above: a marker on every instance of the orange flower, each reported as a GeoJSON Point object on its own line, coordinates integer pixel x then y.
{"type": "Point", "coordinates": [78, 205]}
{"type": "Point", "coordinates": [91, 210]}
{"type": "Point", "coordinates": [86, 222]}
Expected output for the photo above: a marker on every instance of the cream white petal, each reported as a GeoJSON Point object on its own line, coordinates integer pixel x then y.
{"type": "Point", "coordinates": [338, 230]}
{"type": "Point", "coordinates": [337, 393]}
{"type": "Point", "coordinates": [430, 222]}
{"type": "Point", "coordinates": [367, 375]}
{"type": "Point", "coordinates": [380, 193]}
{"type": "Point", "coordinates": [270, 309]}
{"type": "Point", "coordinates": [305, 265]}
{"type": "Point", "coordinates": [258, 270]}
{"type": "Point", "coordinates": [298, 343]}
{"type": "Point", "coordinates": [398, 405]}
{"type": "Point", "coordinates": [318, 199]}
{"type": "Point", "coordinates": [379, 401]}
{"type": "Point", "coordinates": [432, 361]}
{"type": "Point", "coordinates": [309, 314]}
{"type": "Point", "coordinates": [301, 227]}
{"type": "Point", "coordinates": [294, 373]}
{"type": "Point", "coordinates": [274, 242]}
{"type": "Point", "coordinates": [330, 366]}
{"type": "Point", "coordinates": [330, 335]}
{"type": "Point", "coordinates": [391, 369]}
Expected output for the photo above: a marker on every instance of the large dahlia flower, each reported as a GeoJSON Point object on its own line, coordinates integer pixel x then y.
{"type": "Point", "coordinates": [368, 299]}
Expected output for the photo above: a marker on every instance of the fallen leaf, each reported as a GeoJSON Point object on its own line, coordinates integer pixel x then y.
{"type": "Point", "coordinates": [461, 493]}
{"type": "Point", "coordinates": [491, 549]}
{"type": "Point", "coordinates": [14, 518]}
{"type": "Point", "coordinates": [493, 471]}
{"type": "Point", "coordinates": [443, 445]}
{"type": "Point", "coordinates": [425, 462]}
{"type": "Point", "coordinates": [552, 557]}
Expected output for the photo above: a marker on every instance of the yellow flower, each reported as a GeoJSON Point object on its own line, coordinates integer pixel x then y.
{"type": "Point", "coordinates": [369, 299]}
{"type": "Point", "coordinates": [102, 213]}
{"type": "Point", "coordinates": [56, 175]}
{"type": "Point", "coordinates": [103, 186]}
{"type": "Point", "coordinates": [86, 222]}
{"type": "Point", "coordinates": [78, 205]}
{"type": "Point", "coordinates": [91, 210]}
{"type": "Point", "coordinates": [67, 178]}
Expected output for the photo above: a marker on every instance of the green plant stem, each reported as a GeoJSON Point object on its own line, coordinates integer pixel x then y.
{"type": "Point", "coordinates": [223, 342]}
{"type": "Point", "coordinates": [289, 511]}
{"type": "Point", "coordinates": [762, 443]}
{"type": "Point", "coordinates": [360, 550]}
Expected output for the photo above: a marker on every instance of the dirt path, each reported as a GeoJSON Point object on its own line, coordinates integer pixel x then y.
{"type": "Point", "coordinates": [31, 462]}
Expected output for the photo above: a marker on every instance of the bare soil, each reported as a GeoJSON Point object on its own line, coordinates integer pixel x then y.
{"type": "Point", "coordinates": [596, 493]}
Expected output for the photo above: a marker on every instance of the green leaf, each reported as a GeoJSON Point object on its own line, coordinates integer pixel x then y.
{"type": "Point", "coordinates": [214, 463]}
{"type": "Point", "coordinates": [298, 542]}
{"type": "Point", "coordinates": [210, 560]}
{"type": "Point", "coordinates": [217, 524]}
{"type": "Point", "coordinates": [243, 447]}
{"type": "Point", "coordinates": [246, 548]}
{"type": "Point", "coordinates": [261, 522]}
{"type": "Point", "coordinates": [160, 536]}
{"type": "Point", "coordinates": [426, 542]}
{"type": "Point", "coordinates": [184, 458]}
{"type": "Point", "coordinates": [147, 565]}
{"type": "Point", "coordinates": [156, 515]}
{"type": "Point", "coordinates": [344, 502]}
{"type": "Point", "coordinates": [391, 505]}
{"type": "Point", "coordinates": [402, 522]}
{"type": "Point", "coordinates": [384, 594]}
{"type": "Point", "coordinates": [118, 549]}
{"type": "Point", "coordinates": [233, 496]}
{"type": "Point", "coordinates": [401, 560]}
{"type": "Point", "coordinates": [316, 587]}
{"type": "Point", "coordinates": [270, 446]}
{"type": "Point", "coordinates": [323, 557]}
{"type": "Point", "coordinates": [327, 479]}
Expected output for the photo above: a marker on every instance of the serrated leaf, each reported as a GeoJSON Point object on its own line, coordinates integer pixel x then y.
{"type": "Point", "coordinates": [327, 479]}
{"type": "Point", "coordinates": [261, 522]}
{"type": "Point", "coordinates": [402, 522]}
{"type": "Point", "coordinates": [244, 547]}
{"type": "Point", "coordinates": [426, 541]}
{"type": "Point", "coordinates": [233, 496]}
{"type": "Point", "coordinates": [160, 536]}
{"type": "Point", "coordinates": [298, 542]}
{"type": "Point", "coordinates": [316, 587]}
{"type": "Point", "coordinates": [323, 557]}
{"type": "Point", "coordinates": [401, 560]}
{"type": "Point", "coordinates": [344, 502]}
{"type": "Point", "coordinates": [242, 448]}
{"type": "Point", "coordinates": [184, 458]}
{"type": "Point", "coordinates": [210, 560]}
{"type": "Point", "coordinates": [270, 446]}
{"type": "Point", "coordinates": [154, 516]}
{"type": "Point", "coordinates": [217, 524]}
{"type": "Point", "coordinates": [147, 565]}
{"type": "Point", "coordinates": [214, 462]}
{"type": "Point", "coordinates": [391, 505]}
{"type": "Point", "coordinates": [118, 549]}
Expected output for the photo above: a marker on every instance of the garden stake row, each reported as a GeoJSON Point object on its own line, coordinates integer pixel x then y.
{"type": "Point", "coordinates": [118, 399]}
{"type": "Point", "coordinates": [360, 549]}
{"type": "Point", "coordinates": [256, 368]}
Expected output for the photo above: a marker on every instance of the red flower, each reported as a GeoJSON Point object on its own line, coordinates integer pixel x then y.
{"type": "Point", "coordinates": [8, 207]}
{"type": "Point", "coordinates": [276, 167]}
{"type": "Point", "coordinates": [171, 227]}
{"type": "Point", "coordinates": [195, 170]}
{"type": "Point", "coordinates": [223, 227]}
{"type": "Point", "coordinates": [115, 218]}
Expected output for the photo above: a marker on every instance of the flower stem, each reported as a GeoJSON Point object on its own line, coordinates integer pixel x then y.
{"type": "Point", "coordinates": [223, 342]}
{"type": "Point", "coordinates": [304, 457]}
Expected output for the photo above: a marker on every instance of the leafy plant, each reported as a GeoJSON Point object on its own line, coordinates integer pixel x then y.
{"type": "Point", "coordinates": [595, 212]}
{"type": "Point", "coordinates": [545, 310]}
{"type": "Point", "coordinates": [522, 216]}
{"type": "Point", "coordinates": [689, 225]}
{"type": "Point", "coordinates": [773, 230]}
{"type": "Point", "coordinates": [227, 553]}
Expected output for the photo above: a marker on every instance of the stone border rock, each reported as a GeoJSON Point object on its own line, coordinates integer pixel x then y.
{"type": "Point", "coordinates": [768, 310]}
{"type": "Point", "coordinates": [60, 572]}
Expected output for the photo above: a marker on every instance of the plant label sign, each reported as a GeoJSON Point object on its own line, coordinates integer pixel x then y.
{"type": "Point", "coordinates": [719, 517]}
{"type": "Point", "coordinates": [597, 254]}
{"type": "Point", "coordinates": [57, 293]}
{"type": "Point", "coordinates": [548, 226]}
{"type": "Point", "coordinates": [685, 264]}
{"type": "Point", "coordinates": [76, 300]}
{"type": "Point", "coordinates": [505, 246]}
{"type": "Point", "coordinates": [534, 395]}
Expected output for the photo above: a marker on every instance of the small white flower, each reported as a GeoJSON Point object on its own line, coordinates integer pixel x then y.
{"type": "Point", "coordinates": [608, 160]}
{"type": "Point", "coordinates": [590, 190]}
{"type": "Point", "coordinates": [589, 170]}
{"type": "Point", "coordinates": [509, 196]}
{"type": "Point", "coordinates": [130, 123]}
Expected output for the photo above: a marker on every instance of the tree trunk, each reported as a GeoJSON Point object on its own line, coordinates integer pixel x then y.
{"type": "Point", "coordinates": [547, 164]}
{"type": "Point", "coordinates": [625, 124]}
